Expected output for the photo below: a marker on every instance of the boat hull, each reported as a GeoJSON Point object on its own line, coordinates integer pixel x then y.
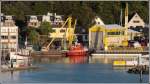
{"type": "Point", "coordinates": [76, 53]}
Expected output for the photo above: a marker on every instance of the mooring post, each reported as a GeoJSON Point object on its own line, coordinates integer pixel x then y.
{"type": "Point", "coordinates": [141, 73]}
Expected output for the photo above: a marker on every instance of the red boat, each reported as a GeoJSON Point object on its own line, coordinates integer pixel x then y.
{"type": "Point", "coordinates": [77, 50]}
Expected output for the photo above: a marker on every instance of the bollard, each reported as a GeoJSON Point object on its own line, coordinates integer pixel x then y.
{"type": "Point", "coordinates": [141, 75]}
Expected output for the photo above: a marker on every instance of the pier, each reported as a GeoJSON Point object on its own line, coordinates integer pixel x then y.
{"type": "Point", "coordinates": [122, 52]}
{"type": "Point", "coordinates": [110, 56]}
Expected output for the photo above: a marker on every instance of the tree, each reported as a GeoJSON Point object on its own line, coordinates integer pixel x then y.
{"type": "Point", "coordinates": [33, 36]}
{"type": "Point", "coordinates": [45, 28]}
{"type": "Point", "coordinates": [83, 11]}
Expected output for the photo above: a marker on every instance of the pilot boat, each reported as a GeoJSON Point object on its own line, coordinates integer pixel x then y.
{"type": "Point", "coordinates": [77, 50]}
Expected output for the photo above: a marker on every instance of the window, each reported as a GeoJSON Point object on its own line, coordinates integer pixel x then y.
{"type": "Point", "coordinates": [62, 30]}
{"type": "Point", "coordinates": [4, 45]}
{"type": "Point", "coordinates": [53, 30]}
{"type": "Point", "coordinates": [122, 33]}
{"type": "Point", "coordinates": [4, 37]}
{"type": "Point", "coordinates": [113, 33]}
{"type": "Point", "coordinates": [31, 23]}
{"type": "Point", "coordinates": [136, 21]}
{"type": "Point", "coordinates": [117, 33]}
{"type": "Point", "coordinates": [4, 30]}
{"type": "Point", "coordinates": [35, 24]}
{"type": "Point", "coordinates": [86, 37]}
{"type": "Point", "coordinates": [13, 37]}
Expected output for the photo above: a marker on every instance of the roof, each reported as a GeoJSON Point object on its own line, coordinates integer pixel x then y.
{"type": "Point", "coordinates": [99, 21]}
{"type": "Point", "coordinates": [133, 31]}
{"type": "Point", "coordinates": [133, 15]}
{"type": "Point", "coordinates": [111, 26]}
{"type": "Point", "coordinates": [96, 28]}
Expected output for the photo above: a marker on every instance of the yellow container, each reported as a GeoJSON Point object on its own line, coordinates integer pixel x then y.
{"type": "Point", "coordinates": [119, 63]}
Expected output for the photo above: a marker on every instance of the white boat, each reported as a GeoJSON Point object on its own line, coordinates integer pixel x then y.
{"type": "Point", "coordinates": [18, 60]}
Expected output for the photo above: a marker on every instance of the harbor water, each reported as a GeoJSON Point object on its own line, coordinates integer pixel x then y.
{"type": "Point", "coordinates": [72, 70]}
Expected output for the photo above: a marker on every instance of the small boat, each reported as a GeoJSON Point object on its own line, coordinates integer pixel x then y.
{"type": "Point", "coordinates": [77, 50]}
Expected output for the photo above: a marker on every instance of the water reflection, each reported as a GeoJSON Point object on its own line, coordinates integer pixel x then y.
{"type": "Point", "coordinates": [78, 59]}
{"type": "Point", "coordinates": [8, 77]}
{"type": "Point", "coordinates": [72, 69]}
{"type": "Point", "coordinates": [62, 60]}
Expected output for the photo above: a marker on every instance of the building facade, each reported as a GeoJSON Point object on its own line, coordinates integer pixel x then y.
{"type": "Point", "coordinates": [102, 36]}
{"type": "Point", "coordinates": [9, 34]}
{"type": "Point", "coordinates": [136, 21]}
{"type": "Point", "coordinates": [35, 21]}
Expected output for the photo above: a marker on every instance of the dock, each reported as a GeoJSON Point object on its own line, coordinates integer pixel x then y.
{"type": "Point", "coordinates": [122, 52]}
{"type": "Point", "coordinates": [19, 68]}
{"type": "Point", "coordinates": [110, 56]}
{"type": "Point", "coordinates": [51, 53]}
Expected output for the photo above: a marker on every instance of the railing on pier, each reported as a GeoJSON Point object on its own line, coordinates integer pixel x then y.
{"type": "Point", "coordinates": [124, 50]}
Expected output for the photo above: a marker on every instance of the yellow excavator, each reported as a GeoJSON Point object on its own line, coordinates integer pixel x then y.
{"type": "Point", "coordinates": [67, 36]}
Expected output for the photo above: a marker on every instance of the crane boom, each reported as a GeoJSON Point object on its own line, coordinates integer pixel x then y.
{"type": "Point", "coordinates": [47, 47]}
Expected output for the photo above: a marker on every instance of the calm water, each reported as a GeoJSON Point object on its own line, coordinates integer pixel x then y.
{"type": "Point", "coordinates": [72, 73]}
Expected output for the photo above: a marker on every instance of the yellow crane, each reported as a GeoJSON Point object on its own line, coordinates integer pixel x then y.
{"type": "Point", "coordinates": [68, 34]}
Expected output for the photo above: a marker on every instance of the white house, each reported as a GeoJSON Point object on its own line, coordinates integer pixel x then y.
{"type": "Point", "coordinates": [53, 18]}
{"type": "Point", "coordinates": [135, 21]}
{"type": "Point", "coordinates": [33, 22]}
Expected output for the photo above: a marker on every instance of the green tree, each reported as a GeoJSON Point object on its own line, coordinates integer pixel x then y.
{"type": "Point", "coordinates": [33, 36]}
{"type": "Point", "coordinates": [45, 28]}
{"type": "Point", "coordinates": [109, 11]}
